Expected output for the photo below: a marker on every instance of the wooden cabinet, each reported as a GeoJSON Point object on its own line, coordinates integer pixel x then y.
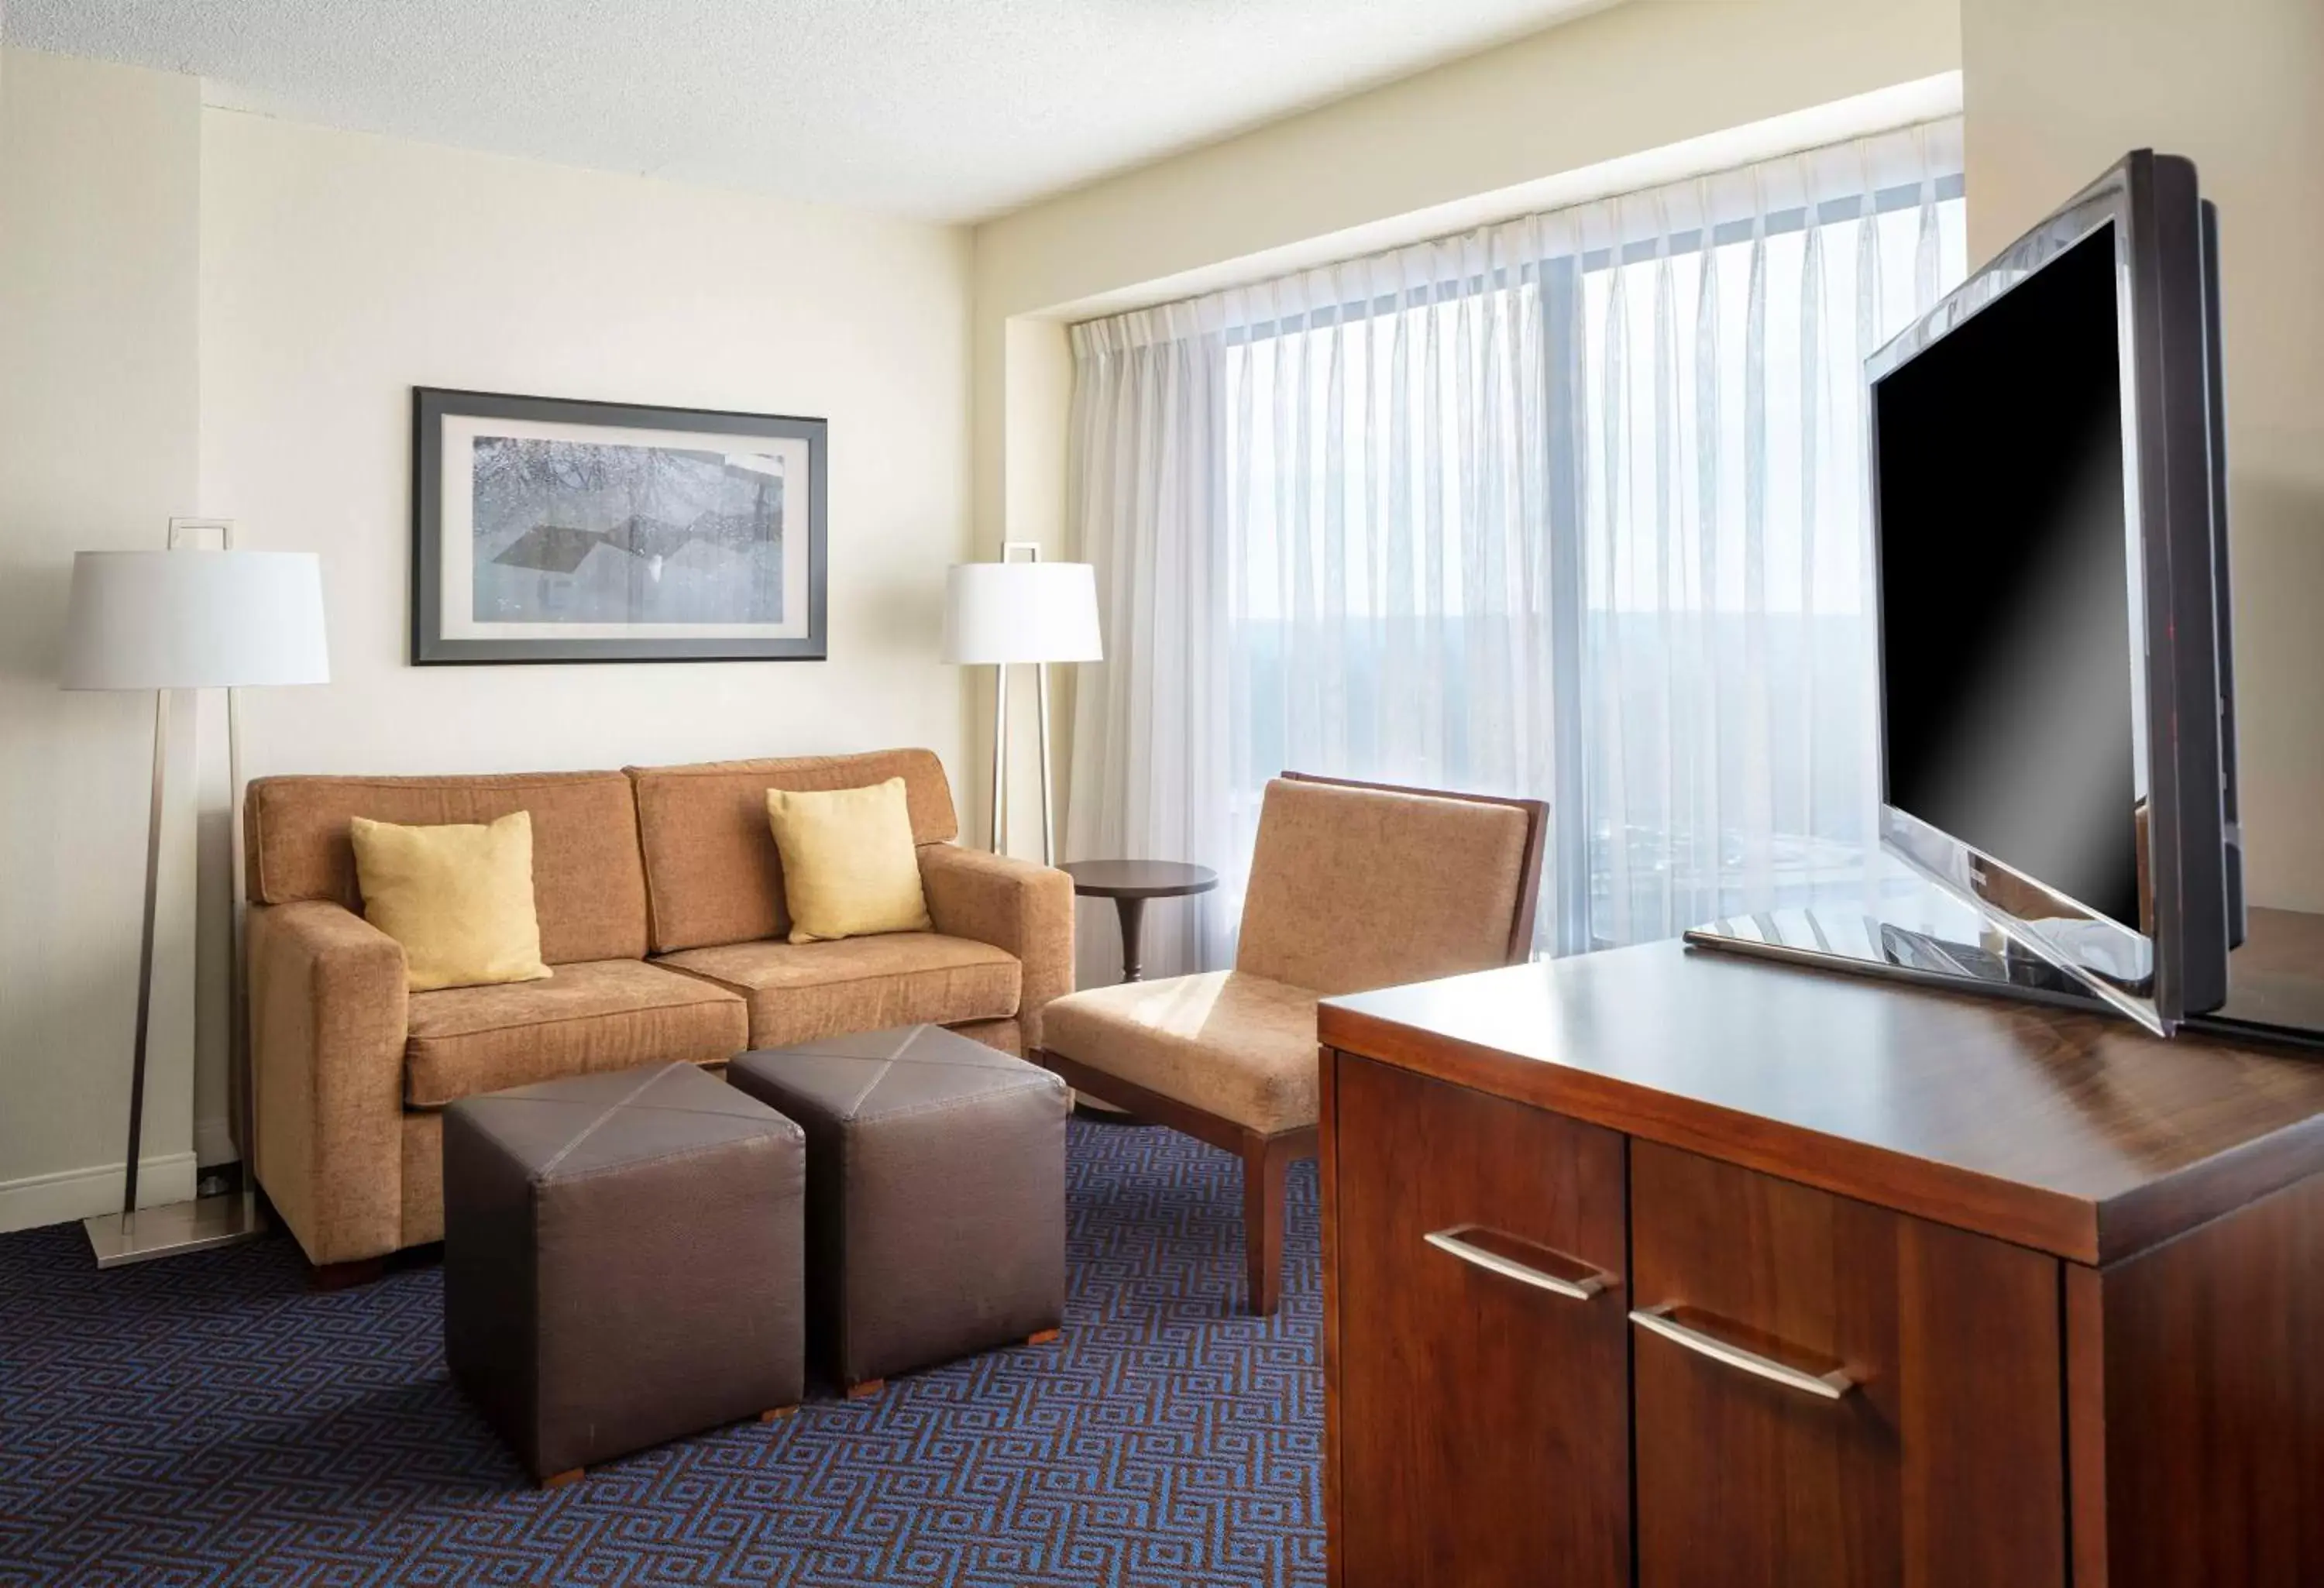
{"type": "Point", "coordinates": [1661, 1268]}
{"type": "Point", "coordinates": [1829, 1395]}
{"type": "Point", "coordinates": [1478, 1272]}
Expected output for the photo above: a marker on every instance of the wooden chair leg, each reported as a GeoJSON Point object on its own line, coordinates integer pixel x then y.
{"type": "Point", "coordinates": [1267, 1160]}
{"type": "Point", "coordinates": [1264, 1167]}
{"type": "Point", "coordinates": [345, 1275]}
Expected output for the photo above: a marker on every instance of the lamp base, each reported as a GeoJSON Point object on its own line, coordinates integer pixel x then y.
{"type": "Point", "coordinates": [174, 1229]}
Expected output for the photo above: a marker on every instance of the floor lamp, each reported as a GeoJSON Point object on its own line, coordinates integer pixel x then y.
{"type": "Point", "coordinates": [186, 620]}
{"type": "Point", "coordinates": [1005, 611]}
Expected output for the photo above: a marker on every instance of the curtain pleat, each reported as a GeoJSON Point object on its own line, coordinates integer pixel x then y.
{"type": "Point", "coordinates": [1349, 521]}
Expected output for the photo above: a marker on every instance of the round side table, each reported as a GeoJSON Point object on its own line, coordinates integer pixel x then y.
{"type": "Point", "coordinates": [1129, 883]}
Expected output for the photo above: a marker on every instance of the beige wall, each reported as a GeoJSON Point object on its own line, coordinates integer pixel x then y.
{"type": "Point", "coordinates": [98, 233]}
{"type": "Point", "coordinates": [2055, 92]}
{"type": "Point", "coordinates": [340, 269]}
{"type": "Point", "coordinates": [1637, 77]}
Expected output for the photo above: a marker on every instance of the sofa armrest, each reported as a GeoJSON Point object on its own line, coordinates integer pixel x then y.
{"type": "Point", "coordinates": [1012, 904]}
{"type": "Point", "coordinates": [328, 1024]}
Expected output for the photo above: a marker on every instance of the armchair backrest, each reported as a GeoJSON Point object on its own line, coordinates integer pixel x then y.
{"type": "Point", "coordinates": [1355, 886]}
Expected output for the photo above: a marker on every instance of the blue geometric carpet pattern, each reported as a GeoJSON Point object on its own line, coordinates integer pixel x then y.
{"type": "Point", "coordinates": [210, 1420]}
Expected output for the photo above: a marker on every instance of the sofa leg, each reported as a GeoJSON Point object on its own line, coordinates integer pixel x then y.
{"type": "Point", "coordinates": [1265, 1164]}
{"type": "Point", "coordinates": [342, 1276]}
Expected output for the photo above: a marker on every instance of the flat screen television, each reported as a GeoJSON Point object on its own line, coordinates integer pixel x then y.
{"type": "Point", "coordinates": [2049, 533]}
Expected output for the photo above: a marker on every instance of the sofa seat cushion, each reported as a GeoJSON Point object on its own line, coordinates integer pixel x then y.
{"type": "Point", "coordinates": [609, 1014]}
{"type": "Point", "coordinates": [799, 991]}
{"type": "Point", "coordinates": [1231, 1044]}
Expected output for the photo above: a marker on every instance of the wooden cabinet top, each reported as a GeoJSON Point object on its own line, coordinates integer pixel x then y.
{"type": "Point", "coordinates": [2074, 1134]}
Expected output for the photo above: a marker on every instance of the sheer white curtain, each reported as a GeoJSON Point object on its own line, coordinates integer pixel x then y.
{"type": "Point", "coordinates": [1725, 715]}
{"type": "Point", "coordinates": [1572, 506]}
{"type": "Point", "coordinates": [1150, 776]}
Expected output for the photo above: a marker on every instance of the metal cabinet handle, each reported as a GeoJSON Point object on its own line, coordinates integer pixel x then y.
{"type": "Point", "coordinates": [1454, 1240]}
{"type": "Point", "coordinates": [1829, 1386]}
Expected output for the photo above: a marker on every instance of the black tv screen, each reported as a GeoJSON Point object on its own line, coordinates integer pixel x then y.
{"type": "Point", "coordinates": [2004, 585]}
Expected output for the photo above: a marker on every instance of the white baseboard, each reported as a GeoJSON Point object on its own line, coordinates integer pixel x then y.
{"type": "Point", "coordinates": [213, 1142]}
{"type": "Point", "coordinates": [79, 1194]}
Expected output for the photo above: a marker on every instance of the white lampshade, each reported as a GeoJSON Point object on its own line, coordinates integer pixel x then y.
{"type": "Point", "coordinates": [1010, 612]}
{"type": "Point", "coordinates": [195, 620]}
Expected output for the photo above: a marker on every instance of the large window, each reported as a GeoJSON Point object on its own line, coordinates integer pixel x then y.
{"type": "Point", "coordinates": [1572, 507]}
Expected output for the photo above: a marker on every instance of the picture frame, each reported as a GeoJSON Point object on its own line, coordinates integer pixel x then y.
{"type": "Point", "coordinates": [561, 530]}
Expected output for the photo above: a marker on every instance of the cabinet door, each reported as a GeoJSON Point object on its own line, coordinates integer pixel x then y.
{"type": "Point", "coordinates": [1480, 1368]}
{"type": "Point", "coordinates": [1829, 1395]}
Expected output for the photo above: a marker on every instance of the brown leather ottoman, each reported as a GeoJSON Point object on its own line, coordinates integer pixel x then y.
{"type": "Point", "coordinates": [622, 1261]}
{"type": "Point", "coordinates": [936, 1195]}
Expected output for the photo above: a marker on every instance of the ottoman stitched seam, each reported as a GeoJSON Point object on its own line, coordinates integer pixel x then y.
{"type": "Point", "coordinates": [703, 1150]}
{"type": "Point", "coordinates": [944, 1104]}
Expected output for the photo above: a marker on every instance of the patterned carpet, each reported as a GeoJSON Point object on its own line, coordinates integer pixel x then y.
{"type": "Point", "coordinates": [208, 1420]}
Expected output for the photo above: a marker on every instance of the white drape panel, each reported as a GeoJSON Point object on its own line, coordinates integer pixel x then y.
{"type": "Point", "coordinates": [1726, 721]}
{"type": "Point", "coordinates": [1147, 485]}
{"type": "Point", "coordinates": [1573, 507]}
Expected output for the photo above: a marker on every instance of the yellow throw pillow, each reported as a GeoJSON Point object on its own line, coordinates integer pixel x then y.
{"type": "Point", "coordinates": [850, 867]}
{"type": "Point", "coordinates": [458, 897]}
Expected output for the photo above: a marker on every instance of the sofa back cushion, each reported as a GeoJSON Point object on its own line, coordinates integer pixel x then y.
{"type": "Point", "coordinates": [588, 883]}
{"type": "Point", "coordinates": [713, 875]}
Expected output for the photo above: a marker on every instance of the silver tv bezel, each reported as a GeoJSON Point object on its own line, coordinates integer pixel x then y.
{"type": "Point", "coordinates": [2132, 971]}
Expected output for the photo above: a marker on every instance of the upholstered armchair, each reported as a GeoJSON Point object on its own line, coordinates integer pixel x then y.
{"type": "Point", "coordinates": [1352, 886]}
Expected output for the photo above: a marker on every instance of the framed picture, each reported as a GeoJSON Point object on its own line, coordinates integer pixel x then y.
{"type": "Point", "coordinates": [545, 530]}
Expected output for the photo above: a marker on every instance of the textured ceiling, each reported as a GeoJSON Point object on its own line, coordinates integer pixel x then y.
{"type": "Point", "coordinates": [950, 109]}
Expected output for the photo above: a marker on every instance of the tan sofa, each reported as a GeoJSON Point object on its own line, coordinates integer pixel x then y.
{"type": "Point", "coordinates": [660, 901]}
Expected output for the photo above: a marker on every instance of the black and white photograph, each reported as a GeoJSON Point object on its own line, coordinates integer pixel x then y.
{"type": "Point", "coordinates": [548, 529]}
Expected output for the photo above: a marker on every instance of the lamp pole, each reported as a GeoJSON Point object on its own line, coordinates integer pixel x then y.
{"type": "Point", "coordinates": [145, 961]}
{"type": "Point", "coordinates": [1032, 551]}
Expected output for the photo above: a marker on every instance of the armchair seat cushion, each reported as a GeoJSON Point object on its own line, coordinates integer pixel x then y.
{"type": "Point", "coordinates": [801, 991]}
{"type": "Point", "coordinates": [610, 1015]}
{"type": "Point", "coordinates": [1231, 1044]}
